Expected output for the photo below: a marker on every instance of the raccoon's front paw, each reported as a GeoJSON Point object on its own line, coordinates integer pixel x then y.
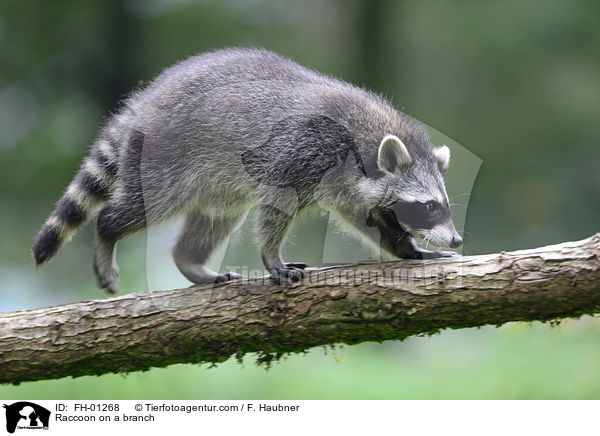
{"type": "Point", "coordinates": [438, 254]}
{"type": "Point", "coordinates": [108, 278]}
{"type": "Point", "coordinates": [227, 277]}
{"type": "Point", "coordinates": [288, 273]}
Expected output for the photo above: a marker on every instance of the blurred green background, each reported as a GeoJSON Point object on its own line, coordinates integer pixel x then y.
{"type": "Point", "coordinates": [515, 82]}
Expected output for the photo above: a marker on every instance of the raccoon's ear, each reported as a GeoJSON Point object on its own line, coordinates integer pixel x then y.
{"type": "Point", "coordinates": [442, 154]}
{"type": "Point", "coordinates": [392, 154]}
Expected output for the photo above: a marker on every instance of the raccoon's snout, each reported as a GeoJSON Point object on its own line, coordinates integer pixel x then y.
{"type": "Point", "coordinates": [456, 241]}
{"type": "Point", "coordinates": [442, 235]}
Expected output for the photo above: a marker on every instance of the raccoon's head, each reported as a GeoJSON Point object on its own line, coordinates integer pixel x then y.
{"type": "Point", "coordinates": [412, 194]}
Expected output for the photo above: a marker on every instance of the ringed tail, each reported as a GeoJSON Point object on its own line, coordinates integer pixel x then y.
{"type": "Point", "coordinates": [81, 201]}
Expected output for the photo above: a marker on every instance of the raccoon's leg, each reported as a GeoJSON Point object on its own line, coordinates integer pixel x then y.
{"type": "Point", "coordinates": [199, 237]}
{"type": "Point", "coordinates": [272, 227]}
{"type": "Point", "coordinates": [120, 216]}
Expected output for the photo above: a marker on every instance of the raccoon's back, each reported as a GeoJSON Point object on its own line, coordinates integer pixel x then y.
{"type": "Point", "coordinates": [208, 71]}
{"type": "Point", "coordinates": [212, 107]}
{"type": "Point", "coordinates": [241, 87]}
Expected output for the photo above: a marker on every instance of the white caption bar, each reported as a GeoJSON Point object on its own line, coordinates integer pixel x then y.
{"type": "Point", "coordinates": [88, 418]}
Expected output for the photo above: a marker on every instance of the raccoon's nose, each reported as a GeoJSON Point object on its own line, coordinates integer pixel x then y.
{"type": "Point", "coordinates": [456, 241]}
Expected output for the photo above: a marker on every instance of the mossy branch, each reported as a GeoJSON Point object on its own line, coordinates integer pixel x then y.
{"type": "Point", "coordinates": [342, 304]}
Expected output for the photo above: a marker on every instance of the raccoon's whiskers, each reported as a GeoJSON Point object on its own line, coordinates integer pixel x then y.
{"type": "Point", "coordinates": [454, 197]}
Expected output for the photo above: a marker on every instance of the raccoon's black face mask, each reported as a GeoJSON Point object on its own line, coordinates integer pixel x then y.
{"type": "Point", "coordinates": [415, 215]}
{"type": "Point", "coordinates": [394, 221]}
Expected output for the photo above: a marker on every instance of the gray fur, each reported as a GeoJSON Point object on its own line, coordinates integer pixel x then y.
{"type": "Point", "coordinates": [224, 131]}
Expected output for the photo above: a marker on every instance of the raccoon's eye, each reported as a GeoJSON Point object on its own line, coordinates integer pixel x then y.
{"type": "Point", "coordinates": [431, 206]}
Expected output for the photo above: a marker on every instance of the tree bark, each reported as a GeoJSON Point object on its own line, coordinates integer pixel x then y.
{"type": "Point", "coordinates": [342, 304]}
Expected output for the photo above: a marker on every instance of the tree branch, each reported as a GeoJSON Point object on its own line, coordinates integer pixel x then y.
{"type": "Point", "coordinates": [342, 304]}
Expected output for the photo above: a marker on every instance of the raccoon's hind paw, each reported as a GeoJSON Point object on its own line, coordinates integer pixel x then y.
{"type": "Point", "coordinates": [288, 273]}
{"type": "Point", "coordinates": [108, 279]}
{"type": "Point", "coordinates": [227, 277]}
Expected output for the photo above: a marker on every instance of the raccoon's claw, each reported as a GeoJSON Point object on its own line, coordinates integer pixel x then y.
{"type": "Point", "coordinates": [227, 277]}
{"type": "Point", "coordinates": [299, 265]}
{"type": "Point", "coordinates": [287, 274]}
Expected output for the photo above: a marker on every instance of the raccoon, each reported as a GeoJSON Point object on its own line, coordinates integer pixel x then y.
{"type": "Point", "coordinates": [225, 131]}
